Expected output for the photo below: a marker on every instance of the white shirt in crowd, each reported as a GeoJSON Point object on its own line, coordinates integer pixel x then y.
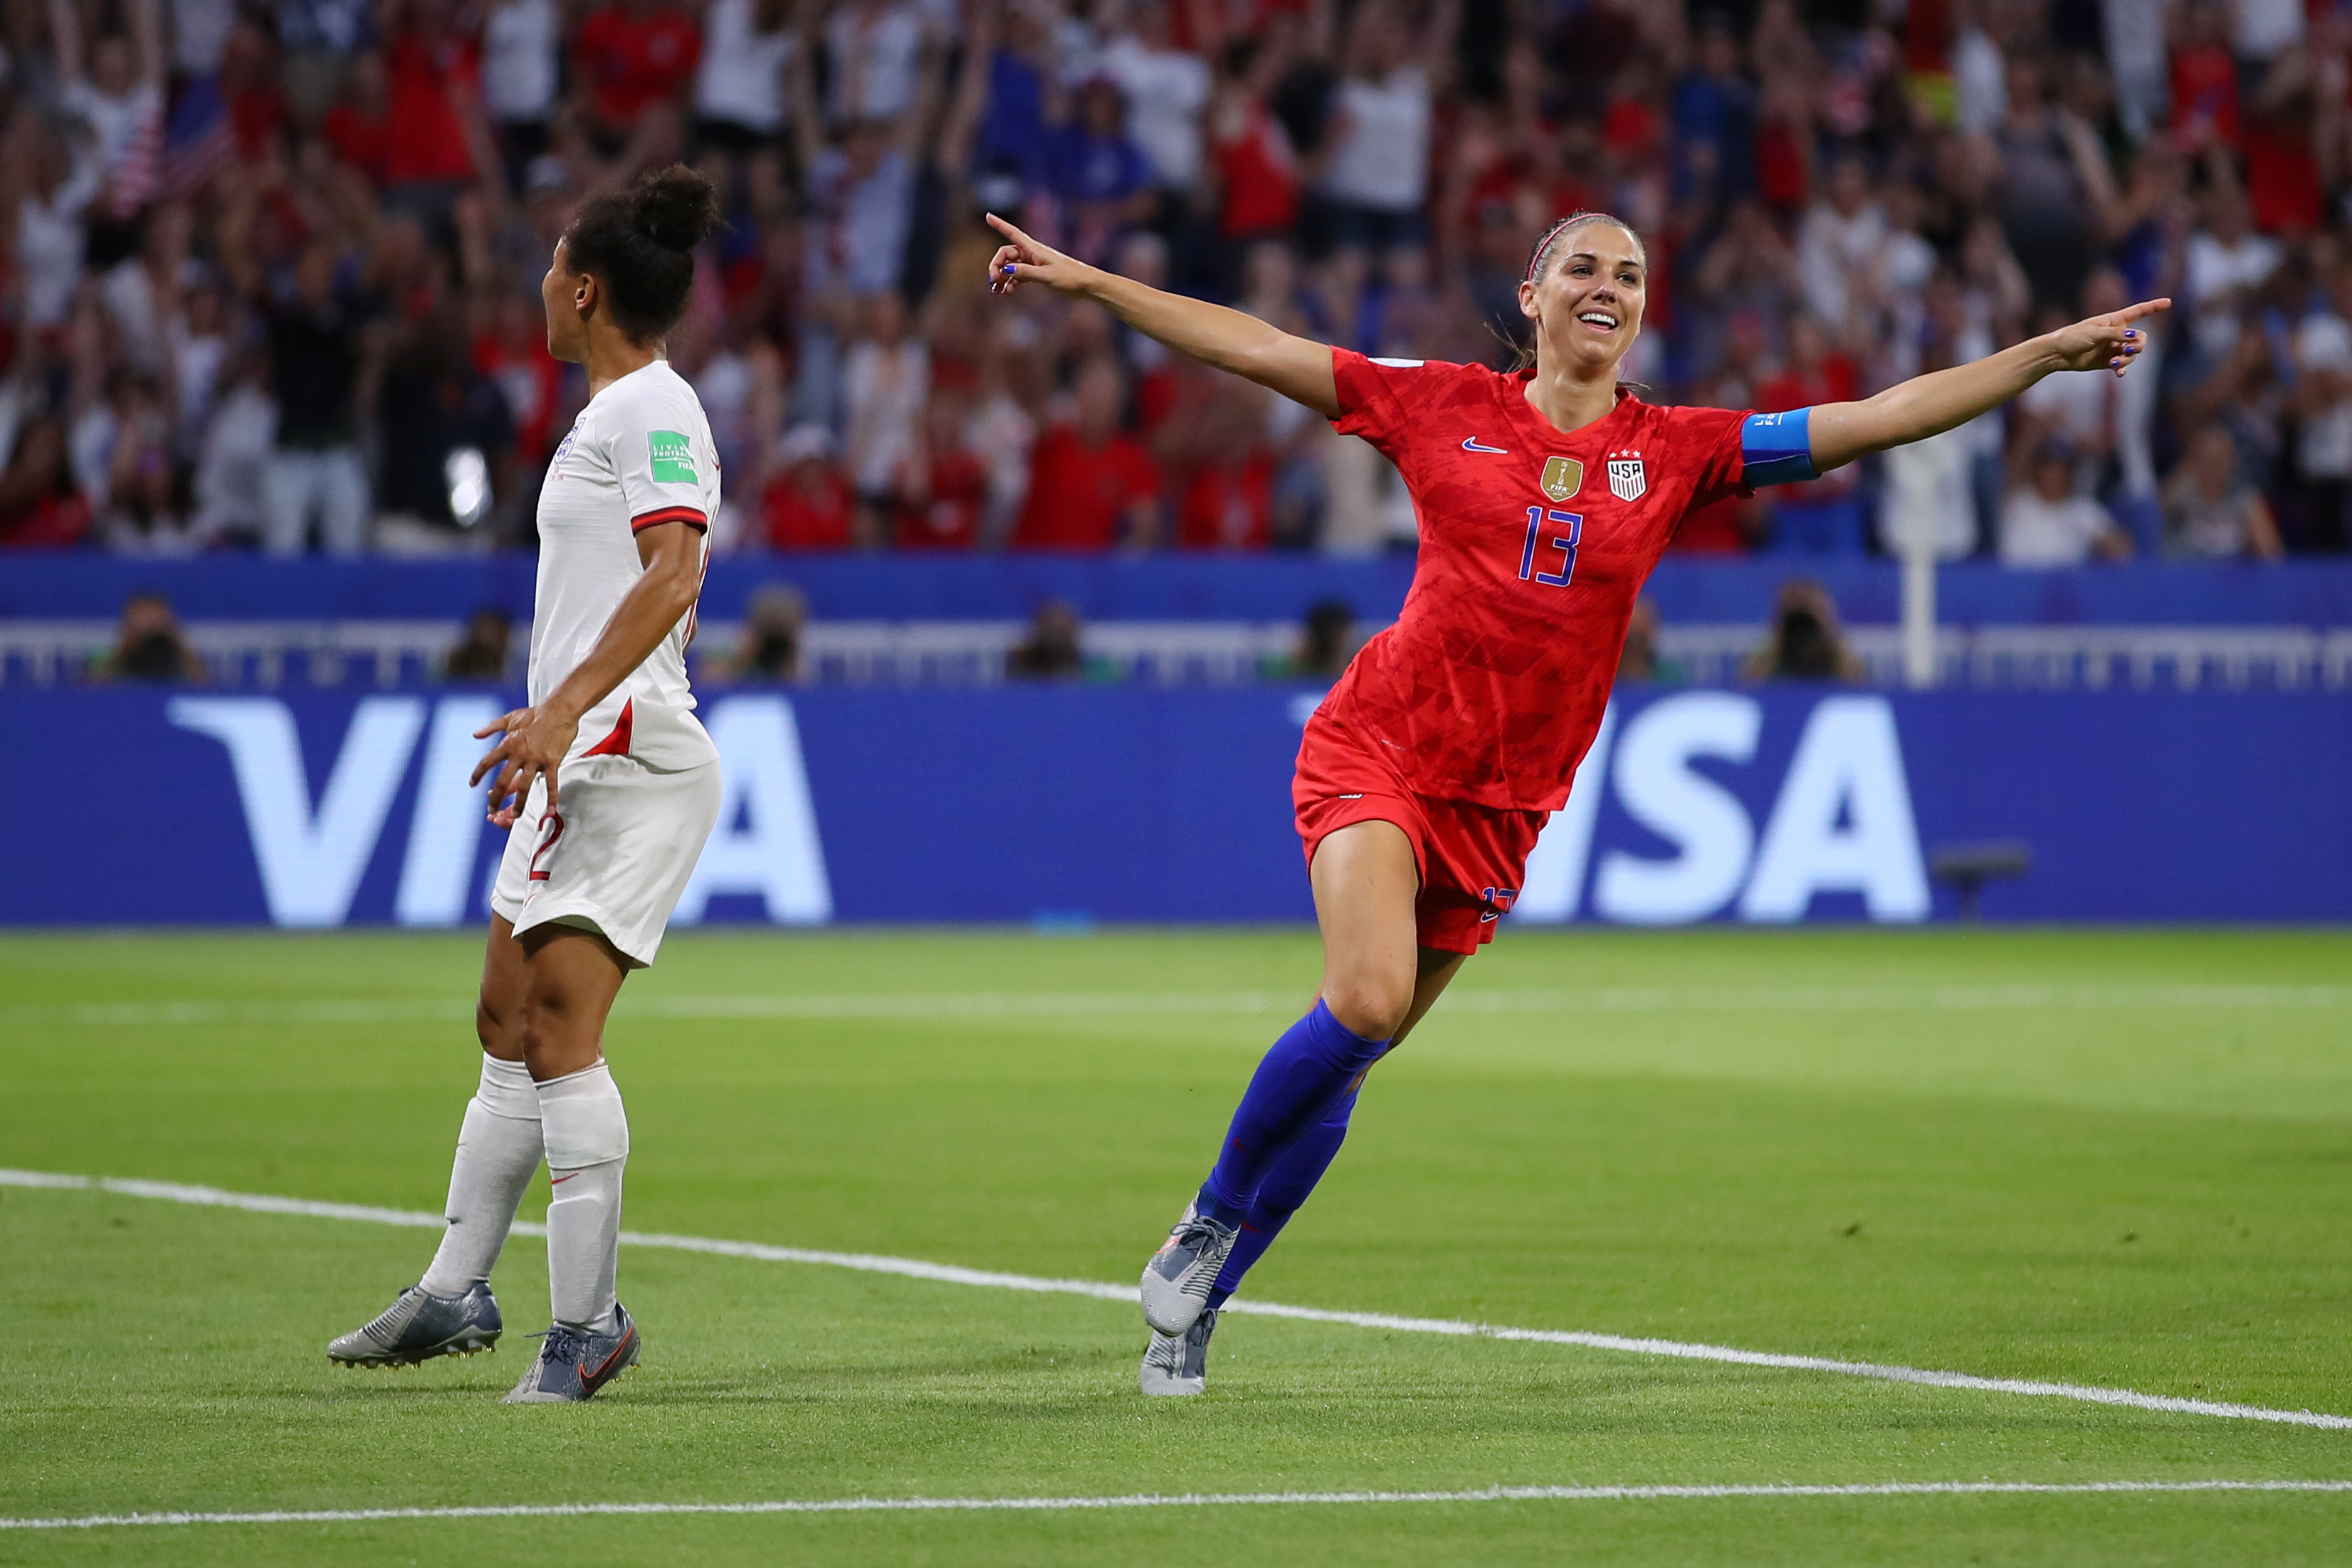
{"type": "Point", "coordinates": [2323, 451]}
{"type": "Point", "coordinates": [741, 77]}
{"type": "Point", "coordinates": [1166, 90]}
{"type": "Point", "coordinates": [2266, 27]}
{"type": "Point", "coordinates": [886, 389]}
{"type": "Point", "coordinates": [2213, 271]}
{"type": "Point", "coordinates": [639, 454]}
{"type": "Point", "coordinates": [519, 60]}
{"type": "Point", "coordinates": [2086, 406]}
{"type": "Point", "coordinates": [2038, 532]}
{"type": "Point", "coordinates": [233, 466]}
{"type": "Point", "coordinates": [49, 245]}
{"type": "Point", "coordinates": [1831, 247]}
{"type": "Point", "coordinates": [1980, 82]}
{"type": "Point", "coordinates": [1380, 157]}
{"type": "Point", "coordinates": [115, 120]}
{"type": "Point", "coordinates": [875, 56]}
{"type": "Point", "coordinates": [200, 30]}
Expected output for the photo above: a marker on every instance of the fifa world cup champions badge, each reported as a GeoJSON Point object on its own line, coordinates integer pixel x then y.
{"type": "Point", "coordinates": [1562, 477]}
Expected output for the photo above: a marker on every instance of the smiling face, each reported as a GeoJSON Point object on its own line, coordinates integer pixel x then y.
{"type": "Point", "coordinates": [1586, 301]}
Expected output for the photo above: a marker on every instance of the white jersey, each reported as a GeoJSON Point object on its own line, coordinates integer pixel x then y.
{"type": "Point", "coordinates": [639, 454]}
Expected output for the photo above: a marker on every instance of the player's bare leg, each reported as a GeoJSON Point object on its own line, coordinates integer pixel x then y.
{"type": "Point", "coordinates": [451, 1311]}
{"type": "Point", "coordinates": [572, 976]}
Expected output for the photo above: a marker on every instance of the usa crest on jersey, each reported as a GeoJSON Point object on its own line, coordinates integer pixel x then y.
{"type": "Point", "coordinates": [1627, 482]}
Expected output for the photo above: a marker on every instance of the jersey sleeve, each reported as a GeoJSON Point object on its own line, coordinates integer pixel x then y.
{"type": "Point", "coordinates": [1378, 398]}
{"type": "Point", "coordinates": [1735, 451]}
{"type": "Point", "coordinates": [660, 467]}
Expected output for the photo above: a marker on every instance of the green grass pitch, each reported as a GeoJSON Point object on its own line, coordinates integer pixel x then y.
{"type": "Point", "coordinates": [2113, 1158]}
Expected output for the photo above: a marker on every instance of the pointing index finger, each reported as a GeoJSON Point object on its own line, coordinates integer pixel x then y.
{"type": "Point", "coordinates": [2145, 308]}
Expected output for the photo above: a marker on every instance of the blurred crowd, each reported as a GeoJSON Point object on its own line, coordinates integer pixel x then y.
{"type": "Point", "coordinates": [270, 271]}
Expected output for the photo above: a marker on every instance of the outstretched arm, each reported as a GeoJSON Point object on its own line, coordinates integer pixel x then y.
{"type": "Point", "coordinates": [1930, 404]}
{"type": "Point", "coordinates": [1298, 368]}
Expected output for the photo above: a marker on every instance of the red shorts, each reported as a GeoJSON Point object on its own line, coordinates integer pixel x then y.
{"type": "Point", "coordinates": [1470, 857]}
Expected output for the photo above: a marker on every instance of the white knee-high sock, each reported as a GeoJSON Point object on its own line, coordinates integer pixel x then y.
{"type": "Point", "coordinates": [498, 1146]}
{"type": "Point", "coordinates": [587, 1138]}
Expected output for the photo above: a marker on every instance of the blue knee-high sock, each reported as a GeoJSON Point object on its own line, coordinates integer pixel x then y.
{"type": "Point", "coordinates": [1315, 1062]}
{"type": "Point", "coordinates": [1278, 1197]}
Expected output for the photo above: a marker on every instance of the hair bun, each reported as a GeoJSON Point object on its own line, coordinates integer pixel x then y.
{"type": "Point", "coordinates": [674, 207]}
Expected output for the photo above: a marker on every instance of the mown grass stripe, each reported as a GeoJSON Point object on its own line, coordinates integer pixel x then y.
{"type": "Point", "coordinates": [952, 1274]}
{"type": "Point", "coordinates": [1183, 1499]}
{"type": "Point", "coordinates": [2021, 997]}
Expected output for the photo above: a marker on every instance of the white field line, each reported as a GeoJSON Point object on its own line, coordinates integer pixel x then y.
{"type": "Point", "coordinates": [1187, 1499]}
{"type": "Point", "coordinates": [2021, 998]}
{"type": "Point", "coordinates": [950, 1274]}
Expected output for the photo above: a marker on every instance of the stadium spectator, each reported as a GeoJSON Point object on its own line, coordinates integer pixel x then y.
{"type": "Point", "coordinates": [340, 181]}
{"type": "Point", "coordinates": [775, 623]}
{"type": "Point", "coordinates": [41, 507]}
{"type": "Point", "coordinates": [806, 504]}
{"type": "Point", "coordinates": [313, 323]}
{"type": "Point", "coordinates": [1641, 660]}
{"type": "Point", "coordinates": [943, 484]}
{"type": "Point", "coordinates": [2048, 521]}
{"type": "Point", "coordinates": [1091, 485]}
{"type": "Point", "coordinates": [886, 381]}
{"type": "Point", "coordinates": [1049, 649]}
{"type": "Point", "coordinates": [631, 56]}
{"type": "Point", "coordinates": [149, 646]}
{"type": "Point", "coordinates": [1804, 643]}
{"type": "Point", "coordinates": [2210, 511]}
{"type": "Point", "coordinates": [484, 652]}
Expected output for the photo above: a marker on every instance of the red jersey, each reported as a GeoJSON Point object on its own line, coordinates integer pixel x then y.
{"type": "Point", "coordinates": [630, 61]}
{"type": "Point", "coordinates": [807, 519]}
{"type": "Point", "coordinates": [950, 518]}
{"type": "Point", "coordinates": [1078, 495]}
{"type": "Point", "coordinates": [1534, 544]}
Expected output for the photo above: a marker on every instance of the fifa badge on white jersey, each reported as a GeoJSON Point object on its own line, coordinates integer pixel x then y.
{"type": "Point", "coordinates": [1626, 480]}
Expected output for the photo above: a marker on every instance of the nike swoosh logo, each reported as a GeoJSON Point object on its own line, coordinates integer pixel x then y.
{"type": "Point", "coordinates": [604, 1367]}
{"type": "Point", "coordinates": [559, 1181]}
{"type": "Point", "coordinates": [1470, 444]}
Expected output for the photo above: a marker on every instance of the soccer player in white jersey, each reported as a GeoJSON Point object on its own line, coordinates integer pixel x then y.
{"type": "Point", "coordinates": [609, 786]}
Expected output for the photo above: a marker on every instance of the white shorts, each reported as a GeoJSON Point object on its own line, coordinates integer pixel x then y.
{"type": "Point", "coordinates": [614, 857]}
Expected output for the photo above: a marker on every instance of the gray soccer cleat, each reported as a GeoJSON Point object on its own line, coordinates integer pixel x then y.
{"type": "Point", "coordinates": [1177, 1280]}
{"type": "Point", "coordinates": [1178, 1364]}
{"type": "Point", "coordinates": [419, 1326]}
{"type": "Point", "coordinates": [574, 1363]}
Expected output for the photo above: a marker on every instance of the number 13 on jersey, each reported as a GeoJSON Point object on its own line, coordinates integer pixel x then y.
{"type": "Point", "coordinates": [1538, 516]}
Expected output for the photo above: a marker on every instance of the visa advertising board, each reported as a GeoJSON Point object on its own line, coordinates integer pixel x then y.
{"type": "Point", "coordinates": [312, 810]}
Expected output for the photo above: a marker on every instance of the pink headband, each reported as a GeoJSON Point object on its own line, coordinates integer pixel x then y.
{"type": "Point", "coordinates": [1544, 244]}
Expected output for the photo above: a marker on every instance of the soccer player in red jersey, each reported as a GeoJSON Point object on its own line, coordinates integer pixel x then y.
{"type": "Point", "coordinates": [1544, 497]}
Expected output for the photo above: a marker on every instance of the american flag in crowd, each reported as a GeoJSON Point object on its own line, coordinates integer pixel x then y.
{"type": "Point", "coordinates": [197, 141]}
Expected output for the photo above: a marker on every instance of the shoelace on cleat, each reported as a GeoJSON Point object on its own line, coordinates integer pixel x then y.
{"type": "Point", "coordinates": [569, 1346]}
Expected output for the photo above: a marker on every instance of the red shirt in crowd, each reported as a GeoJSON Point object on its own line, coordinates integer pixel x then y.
{"type": "Point", "coordinates": [2205, 86]}
{"type": "Point", "coordinates": [801, 517]}
{"type": "Point", "coordinates": [357, 139]}
{"type": "Point", "coordinates": [630, 60]}
{"type": "Point", "coordinates": [1229, 509]}
{"type": "Point", "coordinates": [1079, 493]}
{"type": "Point", "coordinates": [1534, 545]}
{"type": "Point", "coordinates": [430, 144]}
{"type": "Point", "coordinates": [1260, 175]}
{"type": "Point", "coordinates": [950, 518]}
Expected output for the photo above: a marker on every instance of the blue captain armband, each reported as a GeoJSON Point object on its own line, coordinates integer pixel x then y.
{"type": "Point", "coordinates": [1777, 448]}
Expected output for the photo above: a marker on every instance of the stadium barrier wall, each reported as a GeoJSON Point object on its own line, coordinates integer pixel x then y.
{"type": "Point", "coordinates": [1066, 805]}
{"type": "Point", "coordinates": [1175, 587]}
